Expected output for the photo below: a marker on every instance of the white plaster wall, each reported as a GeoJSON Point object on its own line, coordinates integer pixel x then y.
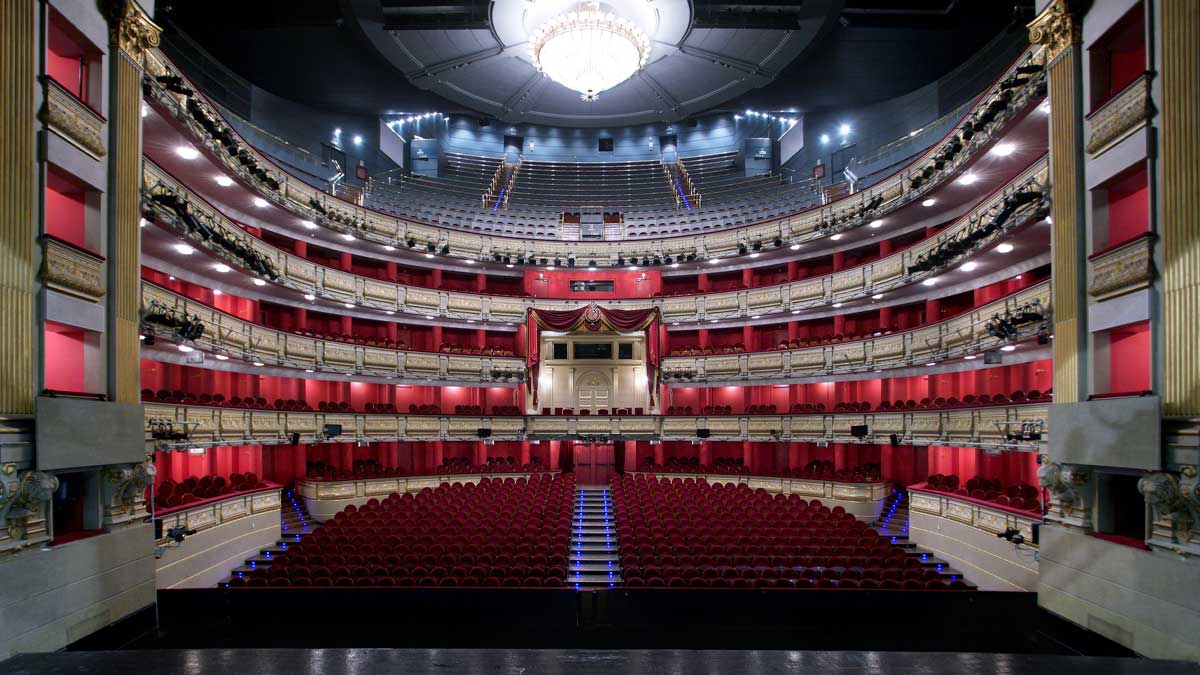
{"type": "Point", "coordinates": [1145, 600]}
{"type": "Point", "coordinates": [205, 558]}
{"type": "Point", "coordinates": [987, 561]}
{"type": "Point", "coordinates": [49, 599]}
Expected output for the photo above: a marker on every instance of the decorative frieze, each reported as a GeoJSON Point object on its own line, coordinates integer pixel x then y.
{"type": "Point", "coordinates": [73, 271]}
{"type": "Point", "coordinates": [25, 508]}
{"type": "Point", "coordinates": [1174, 500]}
{"type": "Point", "coordinates": [74, 120]}
{"type": "Point", "coordinates": [1123, 269]}
{"type": "Point", "coordinates": [1121, 116]}
{"type": "Point", "coordinates": [1070, 493]}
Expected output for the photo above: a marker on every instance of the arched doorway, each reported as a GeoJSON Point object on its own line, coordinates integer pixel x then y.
{"type": "Point", "coordinates": [593, 391]}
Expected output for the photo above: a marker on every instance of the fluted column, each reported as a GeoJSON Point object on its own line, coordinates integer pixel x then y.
{"type": "Point", "coordinates": [131, 34]}
{"type": "Point", "coordinates": [18, 205]}
{"type": "Point", "coordinates": [1180, 206]}
{"type": "Point", "coordinates": [1057, 30]}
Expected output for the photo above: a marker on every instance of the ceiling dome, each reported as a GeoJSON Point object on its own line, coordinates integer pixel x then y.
{"type": "Point", "coordinates": [560, 62]}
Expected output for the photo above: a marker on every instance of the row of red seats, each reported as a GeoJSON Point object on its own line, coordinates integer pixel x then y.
{"type": "Point", "coordinates": [870, 472]}
{"type": "Point", "coordinates": [369, 468]}
{"type": "Point", "coordinates": [800, 343]}
{"type": "Point", "coordinates": [383, 343]}
{"type": "Point", "coordinates": [690, 533]}
{"type": "Point", "coordinates": [169, 494]}
{"type": "Point", "coordinates": [475, 351]}
{"type": "Point", "coordinates": [690, 350]}
{"type": "Point", "coordinates": [1018, 397]}
{"type": "Point", "coordinates": [497, 533]}
{"type": "Point", "coordinates": [1013, 495]}
{"type": "Point", "coordinates": [599, 411]}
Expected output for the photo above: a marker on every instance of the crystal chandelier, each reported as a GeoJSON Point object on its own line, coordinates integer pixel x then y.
{"type": "Point", "coordinates": [589, 49]}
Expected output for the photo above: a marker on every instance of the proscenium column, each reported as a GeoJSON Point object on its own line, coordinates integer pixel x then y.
{"type": "Point", "coordinates": [132, 34]}
{"type": "Point", "coordinates": [1058, 30]}
{"type": "Point", "coordinates": [19, 360]}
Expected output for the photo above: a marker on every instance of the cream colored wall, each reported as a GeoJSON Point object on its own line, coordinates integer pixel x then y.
{"type": "Point", "coordinates": [205, 558]}
{"type": "Point", "coordinates": [991, 563]}
{"type": "Point", "coordinates": [1145, 600]}
{"type": "Point", "coordinates": [559, 378]}
{"type": "Point", "coordinates": [51, 598]}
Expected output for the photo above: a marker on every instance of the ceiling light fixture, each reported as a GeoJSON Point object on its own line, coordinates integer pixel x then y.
{"type": "Point", "coordinates": [1008, 348]}
{"type": "Point", "coordinates": [223, 181]}
{"type": "Point", "coordinates": [186, 349]}
{"type": "Point", "coordinates": [1004, 248]}
{"type": "Point", "coordinates": [309, 224]}
{"type": "Point", "coordinates": [589, 50]}
{"type": "Point", "coordinates": [187, 152]}
{"type": "Point", "coordinates": [310, 297]}
{"type": "Point", "coordinates": [389, 247]}
{"type": "Point", "coordinates": [260, 202]}
{"type": "Point", "coordinates": [929, 202]}
{"type": "Point", "coordinates": [795, 247]}
{"type": "Point", "coordinates": [970, 357]}
{"type": "Point", "coordinates": [259, 282]}
{"type": "Point", "coordinates": [876, 224]}
{"type": "Point", "coordinates": [221, 357]}
{"type": "Point", "coordinates": [259, 364]}
{"type": "Point", "coordinates": [184, 249]}
{"type": "Point", "coordinates": [929, 282]}
{"type": "Point", "coordinates": [968, 267]}
{"type": "Point", "coordinates": [348, 237]}
{"type": "Point", "coordinates": [222, 267]}
{"type": "Point", "coordinates": [836, 236]}
{"type": "Point", "coordinates": [1003, 149]}
{"type": "Point", "coordinates": [967, 179]}
{"type": "Point", "coordinates": [877, 296]}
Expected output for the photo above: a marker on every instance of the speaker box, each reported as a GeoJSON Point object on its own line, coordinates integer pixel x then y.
{"type": "Point", "coordinates": [895, 440]}
{"type": "Point", "coordinates": [296, 438]}
{"type": "Point", "coordinates": [484, 433]}
{"type": "Point", "coordinates": [703, 433]}
{"type": "Point", "coordinates": [858, 430]}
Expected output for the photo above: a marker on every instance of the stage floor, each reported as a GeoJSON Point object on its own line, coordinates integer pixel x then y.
{"type": "Point", "coordinates": [536, 662]}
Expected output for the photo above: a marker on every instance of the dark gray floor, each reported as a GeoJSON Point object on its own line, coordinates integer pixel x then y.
{"type": "Point", "coordinates": [535, 662]}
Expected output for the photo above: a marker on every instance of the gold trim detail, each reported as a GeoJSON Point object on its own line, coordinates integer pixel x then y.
{"type": "Point", "coordinates": [1126, 113]}
{"type": "Point", "coordinates": [74, 121]}
{"type": "Point", "coordinates": [73, 272]}
{"type": "Point", "coordinates": [1055, 29]}
{"type": "Point", "coordinates": [18, 215]}
{"type": "Point", "coordinates": [1122, 270]}
{"type": "Point", "coordinates": [130, 28]}
{"type": "Point", "coordinates": [1180, 203]}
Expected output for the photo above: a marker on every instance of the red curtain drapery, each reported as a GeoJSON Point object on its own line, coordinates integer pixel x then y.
{"type": "Point", "coordinates": [593, 318]}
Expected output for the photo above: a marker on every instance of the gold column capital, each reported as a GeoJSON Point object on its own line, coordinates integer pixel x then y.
{"type": "Point", "coordinates": [130, 29]}
{"type": "Point", "coordinates": [1055, 29]}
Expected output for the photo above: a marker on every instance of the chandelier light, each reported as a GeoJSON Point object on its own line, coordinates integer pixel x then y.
{"type": "Point", "coordinates": [589, 49]}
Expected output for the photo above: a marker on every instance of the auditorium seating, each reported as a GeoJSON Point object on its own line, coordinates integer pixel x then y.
{"type": "Point", "coordinates": [169, 494]}
{"type": "Point", "coordinates": [869, 472]}
{"type": "Point", "coordinates": [1021, 496]}
{"type": "Point", "coordinates": [690, 533]}
{"type": "Point", "coordinates": [622, 185]}
{"type": "Point", "coordinates": [500, 533]}
{"type": "Point", "coordinates": [363, 469]}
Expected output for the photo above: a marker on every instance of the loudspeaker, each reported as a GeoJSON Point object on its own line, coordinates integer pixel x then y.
{"type": "Point", "coordinates": [484, 122]}
{"type": "Point", "coordinates": [483, 433]}
{"type": "Point", "coordinates": [605, 144]}
{"type": "Point", "coordinates": [1037, 534]}
{"type": "Point", "coordinates": [702, 433]}
{"type": "Point", "coordinates": [895, 440]}
{"type": "Point", "coordinates": [858, 430]}
{"type": "Point", "coordinates": [693, 123]}
{"type": "Point", "coordinates": [296, 438]}
{"type": "Point", "coordinates": [992, 358]}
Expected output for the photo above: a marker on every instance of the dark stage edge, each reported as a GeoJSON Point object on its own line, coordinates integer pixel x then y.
{"type": "Point", "coordinates": [520, 661]}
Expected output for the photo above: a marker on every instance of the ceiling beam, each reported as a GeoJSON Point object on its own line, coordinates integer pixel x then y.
{"type": "Point", "coordinates": [751, 69]}
{"type": "Point", "coordinates": [510, 104]}
{"type": "Point", "coordinates": [434, 69]}
{"type": "Point", "coordinates": [673, 105]}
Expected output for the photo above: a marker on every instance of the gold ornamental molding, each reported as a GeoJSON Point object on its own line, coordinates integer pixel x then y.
{"type": "Point", "coordinates": [73, 120]}
{"type": "Point", "coordinates": [1055, 29]}
{"type": "Point", "coordinates": [1123, 269]}
{"type": "Point", "coordinates": [130, 28]}
{"type": "Point", "coordinates": [73, 271]}
{"type": "Point", "coordinates": [1118, 118]}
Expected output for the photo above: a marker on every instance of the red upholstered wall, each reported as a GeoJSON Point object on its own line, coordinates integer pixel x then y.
{"type": "Point", "coordinates": [626, 284]}
{"type": "Point", "coordinates": [64, 357]}
{"type": "Point", "coordinates": [1128, 207]}
{"type": "Point", "coordinates": [1129, 358]}
{"type": "Point", "coordinates": [65, 209]}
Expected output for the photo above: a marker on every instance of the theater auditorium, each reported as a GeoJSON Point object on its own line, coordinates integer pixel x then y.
{"type": "Point", "coordinates": [557, 336]}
